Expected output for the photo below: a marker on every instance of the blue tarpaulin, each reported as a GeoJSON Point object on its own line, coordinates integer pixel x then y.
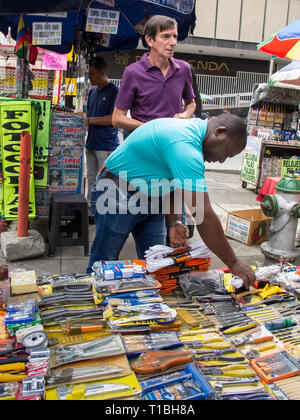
{"type": "Point", "coordinates": [132, 13]}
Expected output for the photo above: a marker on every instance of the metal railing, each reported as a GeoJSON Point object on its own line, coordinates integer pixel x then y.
{"type": "Point", "coordinates": [229, 92]}
{"type": "Point", "coordinates": [226, 92]}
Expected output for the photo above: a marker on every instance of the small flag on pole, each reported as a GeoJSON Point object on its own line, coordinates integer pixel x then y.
{"type": "Point", "coordinates": [22, 39]}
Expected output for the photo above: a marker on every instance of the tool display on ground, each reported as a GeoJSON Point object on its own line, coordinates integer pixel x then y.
{"type": "Point", "coordinates": [121, 333]}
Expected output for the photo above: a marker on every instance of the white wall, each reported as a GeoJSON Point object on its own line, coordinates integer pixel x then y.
{"type": "Point", "coordinates": [244, 20]}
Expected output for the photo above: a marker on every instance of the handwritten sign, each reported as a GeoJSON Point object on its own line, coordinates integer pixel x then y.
{"type": "Point", "coordinates": [54, 61]}
{"type": "Point", "coordinates": [251, 160]}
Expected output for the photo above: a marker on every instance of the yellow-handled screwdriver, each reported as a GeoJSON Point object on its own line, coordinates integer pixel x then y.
{"type": "Point", "coordinates": [13, 368]}
{"type": "Point", "coordinates": [7, 377]}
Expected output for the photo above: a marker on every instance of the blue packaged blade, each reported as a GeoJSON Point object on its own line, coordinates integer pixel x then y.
{"type": "Point", "coordinates": [187, 384]}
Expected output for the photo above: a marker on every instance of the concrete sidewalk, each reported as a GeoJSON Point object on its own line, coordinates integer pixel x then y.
{"type": "Point", "coordinates": [226, 194]}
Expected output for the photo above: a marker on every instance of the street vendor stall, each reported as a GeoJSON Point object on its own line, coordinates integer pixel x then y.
{"type": "Point", "coordinates": [273, 135]}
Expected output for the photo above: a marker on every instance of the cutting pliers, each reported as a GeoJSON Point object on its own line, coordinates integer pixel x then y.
{"type": "Point", "coordinates": [241, 371]}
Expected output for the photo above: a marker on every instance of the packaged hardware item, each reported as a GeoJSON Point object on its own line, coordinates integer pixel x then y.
{"type": "Point", "coordinates": [95, 349]}
{"type": "Point", "coordinates": [113, 270]}
{"type": "Point", "coordinates": [124, 387]}
{"type": "Point", "coordinates": [185, 384]}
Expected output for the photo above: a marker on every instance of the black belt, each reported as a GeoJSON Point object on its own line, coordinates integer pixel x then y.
{"type": "Point", "coordinates": [107, 174]}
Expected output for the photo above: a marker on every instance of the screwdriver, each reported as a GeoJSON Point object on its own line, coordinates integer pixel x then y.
{"type": "Point", "coordinates": [77, 329]}
{"type": "Point", "coordinates": [280, 324]}
{"type": "Point", "coordinates": [7, 377]}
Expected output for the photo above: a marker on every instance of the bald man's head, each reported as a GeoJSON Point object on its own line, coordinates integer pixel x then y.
{"type": "Point", "coordinates": [226, 137]}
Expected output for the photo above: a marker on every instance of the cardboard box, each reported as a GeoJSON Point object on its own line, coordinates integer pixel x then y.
{"type": "Point", "coordinates": [23, 282]}
{"type": "Point", "coordinates": [251, 227]}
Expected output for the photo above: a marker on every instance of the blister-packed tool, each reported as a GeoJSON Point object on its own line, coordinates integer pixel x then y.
{"type": "Point", "coordinates": [8, 391]}
{"type": "Point", "coordinates": [161, 360]}
{"type": "Point", "coordinates": [104, 347]}
{"type": "Point", "coordinates": [124, 387]}
{"type": "Point", "coordinates": [88, 371]}
{"type": "Point", "coordinates": [256, 336]}
{"type": "Point", "coordinates": [184, 384]}
{"type": "Point", "coordinates": [137, 344]}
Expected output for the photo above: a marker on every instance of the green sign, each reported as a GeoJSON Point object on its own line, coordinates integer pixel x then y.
{"type": "Point", "coordinates": [15, 117]}
{"type": "Point", "coordinates": [250, 168]}
{"type": "Point", "coordinates": [289, 165]}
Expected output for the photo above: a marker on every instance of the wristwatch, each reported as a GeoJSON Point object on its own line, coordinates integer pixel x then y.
{"type": "Point", "coordinates": [177, 222]}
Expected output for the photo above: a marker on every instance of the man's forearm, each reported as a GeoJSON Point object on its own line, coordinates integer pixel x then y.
{"type": "Point", "coordinates": [107, 120]}
{"type": "Point", "coordinates": [174, 213]}
{"type": "Point", "coordinates": [212, 233]}
{"type": "Point", "coordinates": [126, 123]}
{"type": "Point", "coordinates": [190, 108]}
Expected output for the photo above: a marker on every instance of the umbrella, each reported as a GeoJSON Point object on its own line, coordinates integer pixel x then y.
{"type": "Point", "coordinates": [132, 15]}
{"type": "Point", "coordinates": [287, 77]}
{"type": "Point", "coordinates": [206, 97]}
{"type": "Point", "coordinates": [285, 43]}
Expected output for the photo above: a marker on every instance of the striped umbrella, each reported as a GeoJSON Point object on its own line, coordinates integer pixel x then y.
{"type": "Point", "coordinates": [285, 43]}
{"type": "Point", "coordinates": [206, 97]}
{"type": "Point", "coordinates": [288, 77]}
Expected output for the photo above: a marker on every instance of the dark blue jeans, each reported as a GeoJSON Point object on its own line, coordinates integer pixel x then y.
{"type": "Point", "coordinates": [112, 231]}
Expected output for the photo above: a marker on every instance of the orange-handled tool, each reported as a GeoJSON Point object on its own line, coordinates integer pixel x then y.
{"type": "Point", "coordinates": [78, 329]}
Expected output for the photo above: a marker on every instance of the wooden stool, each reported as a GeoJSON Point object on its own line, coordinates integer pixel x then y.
{"type": "Point", "coordinates": [73, 210]}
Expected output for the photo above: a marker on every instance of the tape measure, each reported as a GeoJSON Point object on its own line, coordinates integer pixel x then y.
{"type": "Point", "coordinates": [23, 332]}
{"type": "Point", "coordinates": [37, 339]}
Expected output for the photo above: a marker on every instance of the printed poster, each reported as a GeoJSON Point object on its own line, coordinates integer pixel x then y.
{"type": "Point", "coordinates": [46, 33]}
{"type": "Point", "coordinates": [103, 21]}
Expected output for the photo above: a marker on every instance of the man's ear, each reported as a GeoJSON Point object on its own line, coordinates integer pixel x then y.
{"type": "Point", "coordinates": [149, 40]}
{"type": "Point", "coordinates": [220, 131]}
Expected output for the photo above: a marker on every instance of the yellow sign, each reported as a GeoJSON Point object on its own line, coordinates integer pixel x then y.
{"type": "Point", "coordinates": [71, 86]}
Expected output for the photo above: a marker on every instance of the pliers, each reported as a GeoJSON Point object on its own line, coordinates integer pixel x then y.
{"type": "Point", "coordinates": [213, 298]}
{"type": "Point", "coordinates": [241, 371]}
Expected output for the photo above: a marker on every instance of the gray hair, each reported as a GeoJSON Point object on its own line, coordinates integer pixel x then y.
{"type": "Point", "coordinates": [158, 23]}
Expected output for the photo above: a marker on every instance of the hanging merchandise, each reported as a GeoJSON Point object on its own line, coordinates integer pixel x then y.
{"type": "Point", "coordinates": [66, 146]}
{"type": "Point", "coordinates": [67, 134]}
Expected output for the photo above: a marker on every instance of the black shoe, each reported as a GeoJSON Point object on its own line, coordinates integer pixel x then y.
{"type": "Point", "coordinates": [91, 220]}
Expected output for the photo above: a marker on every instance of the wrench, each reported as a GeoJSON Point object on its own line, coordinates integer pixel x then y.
{"type": "Point", "coordinates": [220, 385]}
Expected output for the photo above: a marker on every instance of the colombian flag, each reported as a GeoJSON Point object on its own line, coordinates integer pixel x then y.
{"type": "Point", "coordinates": [22, 39]}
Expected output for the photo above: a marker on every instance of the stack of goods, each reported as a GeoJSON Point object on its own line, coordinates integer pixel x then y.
{"type": "Point", "coordinates": [168, 264]}
{"type": "Point", "coordinates": [114, 335]}
{"type": "Point", "coordinates": [278, 122]}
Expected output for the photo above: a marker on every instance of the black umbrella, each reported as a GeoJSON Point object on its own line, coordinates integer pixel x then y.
{"type": "Point", "coordinates": [132, 16]}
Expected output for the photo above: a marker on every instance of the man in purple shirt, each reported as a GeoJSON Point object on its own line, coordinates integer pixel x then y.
{"type": "Point", "coordinates": [157, 86]}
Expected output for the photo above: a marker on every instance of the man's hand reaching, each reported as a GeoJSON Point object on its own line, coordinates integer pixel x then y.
{"type": "Point", "coordinates": [245, 272]}
{"type": "Point", "coordinates": [178, 236]}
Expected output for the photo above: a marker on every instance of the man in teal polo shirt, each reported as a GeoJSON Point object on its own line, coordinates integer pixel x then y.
{"type": "Point", "coordinates": [163, 159]}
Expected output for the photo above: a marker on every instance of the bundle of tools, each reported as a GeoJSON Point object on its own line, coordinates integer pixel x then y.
{"type": "Point", "coordinates": [168, 264]}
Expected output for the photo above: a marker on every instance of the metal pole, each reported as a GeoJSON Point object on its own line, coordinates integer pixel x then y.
{"type": "Point", "coordinates": [24, 181]}
{"type": "Point", "coordinates": [271, 71]}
